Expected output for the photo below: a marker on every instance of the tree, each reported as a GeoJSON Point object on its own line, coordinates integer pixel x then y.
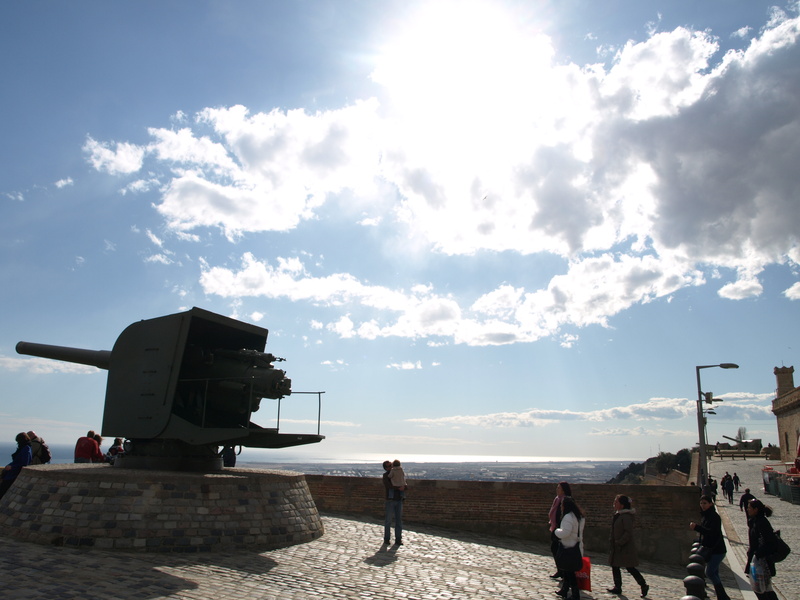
{"type": "Point", "coordinates": [741, 434]}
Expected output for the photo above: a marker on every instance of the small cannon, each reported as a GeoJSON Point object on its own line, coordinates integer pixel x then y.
{"type": "Point", "coordinates": [181, 385]}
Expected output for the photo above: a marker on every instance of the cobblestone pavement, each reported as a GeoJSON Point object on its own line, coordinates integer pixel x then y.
{"type": "Point", "coordinates": [786, 517]}
{"type": "Point", "coordinates": [347, 563]}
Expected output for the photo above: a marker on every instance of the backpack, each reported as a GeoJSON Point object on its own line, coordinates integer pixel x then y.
{"type": "Point", "coordinates": [44, 453]}
{"type": "Point", "coordinates": [780, 548]}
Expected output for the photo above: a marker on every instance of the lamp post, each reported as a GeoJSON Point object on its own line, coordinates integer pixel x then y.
{"type": "Point", "coordinates": [702, 476]}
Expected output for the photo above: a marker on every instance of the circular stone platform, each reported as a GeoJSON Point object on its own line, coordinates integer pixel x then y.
{"type": "Point", "coordinates": [80, 505]}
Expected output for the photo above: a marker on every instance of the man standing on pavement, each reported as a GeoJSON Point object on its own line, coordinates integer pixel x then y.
{"type": "Point", "coordinates": [394, 507]}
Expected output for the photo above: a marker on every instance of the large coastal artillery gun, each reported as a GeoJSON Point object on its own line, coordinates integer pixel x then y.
{"type": "Point", "coordinates": [753, 445]}
{"type": "Point", "coordinates": [182, 385]}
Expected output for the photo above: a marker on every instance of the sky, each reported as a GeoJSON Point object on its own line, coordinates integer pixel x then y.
{"type": "Point", "coordinates": [481, 228]}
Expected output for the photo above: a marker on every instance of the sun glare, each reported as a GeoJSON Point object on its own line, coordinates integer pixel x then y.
{"type": "Point", "coordinates": [459, 58]}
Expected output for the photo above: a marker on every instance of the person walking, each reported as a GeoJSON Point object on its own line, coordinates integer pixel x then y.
{"type": "Point", "coordinates": [736, 481]}
{"type": "Point", "coordinates": [743, 502]}
{"type": "Point", "coordinates": [727, 488]}
{"type": "Point", "coordinates": [713, 544]}
{"type": "Point", "coordinates": [393, 507]}
{"type": "Point", "coordinates": [761, 543]}
{"type": "Point", "coordinates": [21, 458]}
{"type": "Point", "coordinates": [554, 518]}
{"type": "Point", "coordinates": [623, 546]}
{"type": "Point", "coordinates": [570, 534]}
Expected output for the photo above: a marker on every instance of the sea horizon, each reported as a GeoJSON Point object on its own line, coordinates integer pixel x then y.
{"type": "Point", "coordinates": [63, 453]}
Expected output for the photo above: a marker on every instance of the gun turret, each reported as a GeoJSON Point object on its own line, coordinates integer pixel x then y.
{"type": "Point", "coordinates": [183, 384]}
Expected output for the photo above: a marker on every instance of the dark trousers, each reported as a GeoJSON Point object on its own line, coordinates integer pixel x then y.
{"type": "Point", "coordinates": [616, 573]}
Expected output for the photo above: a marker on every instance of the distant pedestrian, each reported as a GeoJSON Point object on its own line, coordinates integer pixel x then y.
{"type": "Point", "coordinates": [736, 481]}
{"type": "Point", "coordinates": [87, 450]}
{"type": "Point", "coordinates": [21, 458]}
{"type": "Point", "coordinates": [393, 508]}
{"type": "Point", "coordinates": [745, 499]}
{"type": "Point", "coordinates": [760, 537]}
{"type": "Point", "coordinates": [623, 547]}
{"type": "Point", "coordinates": [727, 488]}
{"type": "Point", "coordinates": [713, 544]}
{"type": "Point", "coordinates": [570, 534]}
{"type": "Point", "coordinates": [554, 517]}
{"type": "Point", "coordinates": [40, 451]}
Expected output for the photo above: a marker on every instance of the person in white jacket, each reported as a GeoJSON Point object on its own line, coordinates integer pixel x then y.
{"type": "Point", "coordinates": [570, 534]}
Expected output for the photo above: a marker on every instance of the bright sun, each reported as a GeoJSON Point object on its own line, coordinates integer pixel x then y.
{"type": "Point", "coordinates": [458, 58]}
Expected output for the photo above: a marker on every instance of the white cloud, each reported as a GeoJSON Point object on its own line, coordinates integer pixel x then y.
{"type": "Point", "coordinates": [43, 366]}
{"type": "Point", "coordinates": [61, 183]}
{"type": "Point", "coordinates": [122, 159]}
{"type": "Point", "coordinates": [643, 176]}
{"type": "Point", "coordinates": [738, 407]}
{"type": "Point", "coordinates": [405, 366]}
{"type": "Point", "coordinates": [793, 293]}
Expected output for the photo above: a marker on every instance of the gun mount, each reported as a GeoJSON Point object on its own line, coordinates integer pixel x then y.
{"type": "Point", "coordinates": [181, 385]}
{"type": "Point", "coordinates": [753, 445]}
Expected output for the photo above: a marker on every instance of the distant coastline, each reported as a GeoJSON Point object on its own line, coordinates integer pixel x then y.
{"type": "Point", "coordinates": [452, 467]}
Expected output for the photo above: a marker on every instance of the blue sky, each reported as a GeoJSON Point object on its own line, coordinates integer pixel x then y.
{"type": "Point", "coordinates": [482, 228]}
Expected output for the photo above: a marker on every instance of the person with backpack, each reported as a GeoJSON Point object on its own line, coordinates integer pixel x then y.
{"type": "Point", "coordinates": [39, 450]}
{"type": "Point", "coordinates": [760, 562]}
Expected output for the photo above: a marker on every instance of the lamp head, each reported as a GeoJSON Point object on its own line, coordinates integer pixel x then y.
{"type": "Point", "coordinates": [729, 366]}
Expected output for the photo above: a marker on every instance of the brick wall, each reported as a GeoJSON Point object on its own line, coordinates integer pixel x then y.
{"type": "Point", "coordinates": [520, 509]}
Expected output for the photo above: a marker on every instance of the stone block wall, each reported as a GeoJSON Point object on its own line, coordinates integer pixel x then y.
{"type": "Point", "coordinates": [159, 511]}
{"type": "Point", "coordinates": [520, 509]}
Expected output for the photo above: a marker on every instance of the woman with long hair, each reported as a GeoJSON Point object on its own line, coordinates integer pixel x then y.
{"type": "Point", "coordinates": [623, 548]}
{"type": "Point", "coordinates": [710, 530]}
{"type": "Point", "coordinates": [570, 534]}
{"type": "Point", "coordinates": [761, 537]}
{"type": "Point", "coordinates": [554, 516]}
{"type": "Point", "coordinates": [21, 458]}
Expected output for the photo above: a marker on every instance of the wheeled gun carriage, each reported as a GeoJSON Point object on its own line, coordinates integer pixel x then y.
{"type": "Point", "coordinates": [182, 385]}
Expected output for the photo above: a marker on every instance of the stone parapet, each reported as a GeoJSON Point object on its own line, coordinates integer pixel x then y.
{"type": "Point", "coordinates": [520, 510]}
{"type": "Point", "coordinates": [159, 511]}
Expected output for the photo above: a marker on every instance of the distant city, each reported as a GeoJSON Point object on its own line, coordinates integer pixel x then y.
{"type": "Point", "coordinates": [537, 472]}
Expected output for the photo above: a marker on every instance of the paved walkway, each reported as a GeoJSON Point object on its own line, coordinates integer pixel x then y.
{"type": "Point", "coordinates": [347, 563]}
{"type": "Point", "coordinates": [786, 517]}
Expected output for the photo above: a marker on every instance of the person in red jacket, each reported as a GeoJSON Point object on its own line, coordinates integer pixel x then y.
{"type": "Point", "coordinates": [87, 450]}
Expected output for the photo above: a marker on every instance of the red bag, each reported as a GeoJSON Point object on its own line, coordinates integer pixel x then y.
{"type": "Point", "coordinates": [585, 575]}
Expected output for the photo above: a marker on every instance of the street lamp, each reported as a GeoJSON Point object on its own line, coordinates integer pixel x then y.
{"type": "Point", "coordinates": [702, 476]}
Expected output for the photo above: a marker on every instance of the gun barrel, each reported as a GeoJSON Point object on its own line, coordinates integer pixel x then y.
{"type": "Point", "coordinates": [731, 439]}
{"type": "Point", "coordinates": [94, 358]}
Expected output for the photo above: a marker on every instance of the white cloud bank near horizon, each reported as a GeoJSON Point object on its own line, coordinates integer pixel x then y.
{"type": "Point", "coordinates": [667, 167]}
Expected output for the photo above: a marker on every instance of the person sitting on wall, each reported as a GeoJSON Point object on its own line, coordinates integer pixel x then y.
{"type": "Point", "coordinates": [21, 458]}
{"type": "Point", "coordinates": [116, 450]}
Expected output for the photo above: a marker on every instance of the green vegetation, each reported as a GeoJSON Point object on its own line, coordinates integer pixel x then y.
{"type": "Point", "coordinates": [663, 463]}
